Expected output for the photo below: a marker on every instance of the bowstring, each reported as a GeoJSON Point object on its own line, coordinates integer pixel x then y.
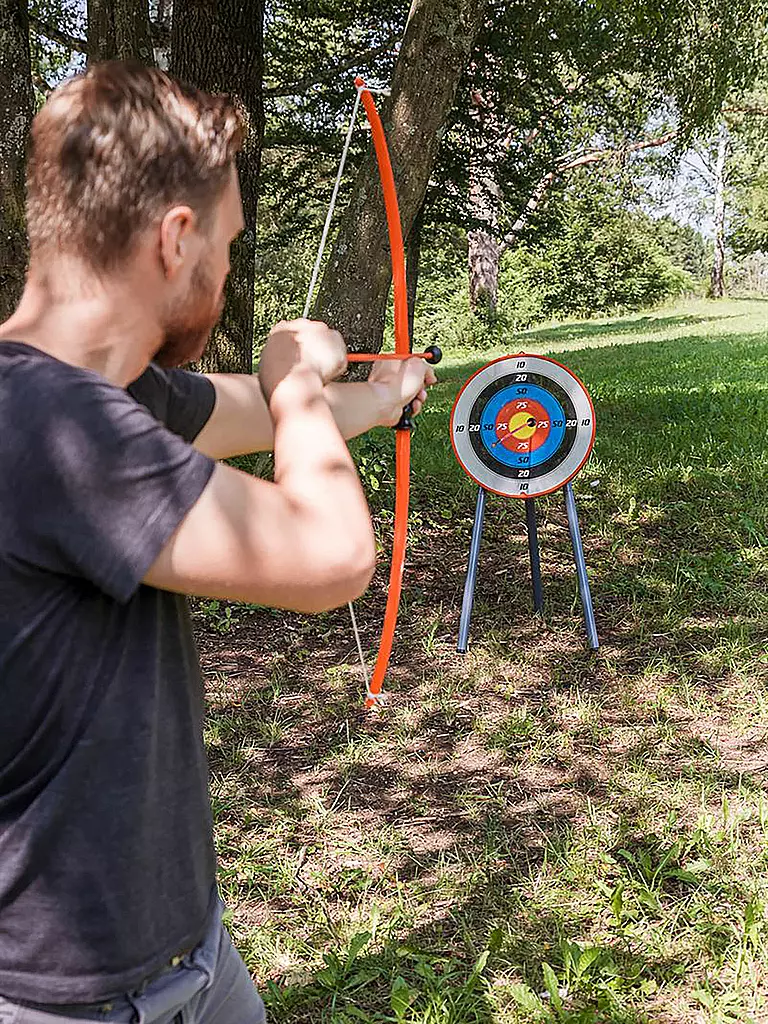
{"type": "Point", "coordinates": [308, 304]}
{"type": "Point", "coordinates": [332, 207]}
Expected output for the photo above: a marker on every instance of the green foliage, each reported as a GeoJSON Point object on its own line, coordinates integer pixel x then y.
{"type": "Point", "coordinates": [580, 989]}
{"type": "Point", "coordinates": [612, 264]}
{"type": "Point", "coordinates": [591, 253]}
{"type": "Point", "coordinates": [684, 246]}
{"type": "Point", "coordinates": [695, 51]}
{"type": "Point", "coordinates": [747, 172]}
{"type": "Point", "coordinates": [557, 77]}
{"type": "Point", "coordinates": [421, 987]}
{"type": "Point", "coordinates": [372, 453]}
{"type": "Point", "coordinates": [51, 61]}
{"type": "Point", "coordinates": [220, 616]}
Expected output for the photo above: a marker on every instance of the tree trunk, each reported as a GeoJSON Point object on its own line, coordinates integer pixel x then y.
{"type": "Point", "coordinates": [161, 16]}
{"type": "Point", "coordinates": [218, 45]}
{"type": "Point", "coordinates": [119, 30]}
{"type": "Point", "coordinates": [435, 50]}
{"type": "Point", "coordinates": [484, 202]}
{"type": "Point", "coordinates": [717, 285]}
{"type": "Point", "coordinates": [483, 252]}
{"type": "Point", "coordinates": [16, 111]}
{"type": "Point", "coordinates": [412, 266]}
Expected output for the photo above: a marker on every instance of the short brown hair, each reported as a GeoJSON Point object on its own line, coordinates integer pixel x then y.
{"type": "Point", "coordinates": [113, 148]}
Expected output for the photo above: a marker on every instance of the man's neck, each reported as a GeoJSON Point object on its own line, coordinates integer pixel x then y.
{"type": "Point", "coordinates": [98, 325]}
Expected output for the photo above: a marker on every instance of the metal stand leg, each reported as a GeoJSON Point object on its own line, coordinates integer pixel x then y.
{"type": "Point", "coordinates": [533, 550]}
{"type": "Point", "coordinates": [581, 567]}
{"type": "Point", "coordinates": [469, 584]}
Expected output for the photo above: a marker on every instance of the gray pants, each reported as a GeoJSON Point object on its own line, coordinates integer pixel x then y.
{"type": "Point", "coordinates": [210, 986]}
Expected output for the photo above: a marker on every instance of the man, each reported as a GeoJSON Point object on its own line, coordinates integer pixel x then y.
{"type": "Point", "coordinates": [111, 508]}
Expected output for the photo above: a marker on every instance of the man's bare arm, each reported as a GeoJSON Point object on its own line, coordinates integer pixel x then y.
{"type": "Point", "coordinates": [304, 542]}
{"type": "Point", "coordinates": [240, 422]}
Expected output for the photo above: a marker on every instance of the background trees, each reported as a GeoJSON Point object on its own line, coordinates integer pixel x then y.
{"type": "Point", "coordinates": [16, 109]}
{"type": "Point", "coordinates": [521, 136]}
{"type": "Point", "coordinates": [219, 47]}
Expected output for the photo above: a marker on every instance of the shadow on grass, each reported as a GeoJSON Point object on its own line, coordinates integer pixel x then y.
{"type": "Point", "coordinates": [434, 971]}
{"type": "Point", "coordinates": [486, 808]}
{"type": "Point", "coordinates": [640, 325]}
{"type": "Point", "coordinates": [466, 790]}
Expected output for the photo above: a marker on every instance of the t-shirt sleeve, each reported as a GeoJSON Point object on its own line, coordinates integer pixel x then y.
{"type": "Point", "coordinates": [180, 399]}
{"type": "Point", "coordinates": [100, 484]}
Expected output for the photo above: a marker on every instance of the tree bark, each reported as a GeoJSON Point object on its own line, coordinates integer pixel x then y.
{"type": "Point", "coordinates": [484, 260]}
{"type": "Point", "coordinates": [717, 284]}
{"type": "Point", "coordinates": [16, 111]}
{"type": "Point", "coordinates": [412, 267]}
{"type": "Point", "coordinates": [218, 45]}
{"type": "Point", "coordinates": [484, 205]}
{"type": "Point", "coordinates": [436, 47]}
{"type": "Point", "coordinates": [119, 30]}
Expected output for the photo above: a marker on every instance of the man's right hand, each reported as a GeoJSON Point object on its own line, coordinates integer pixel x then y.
{"type": "Point", "coordinates": [297, 345]}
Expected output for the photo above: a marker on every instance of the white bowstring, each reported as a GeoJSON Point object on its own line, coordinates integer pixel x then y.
{"type": "Point", "coordinates": [307, 305]}
{"type": "Point", "coordinates": [332, 207]}
{"type": "Point", "coordinates": [359, 642]}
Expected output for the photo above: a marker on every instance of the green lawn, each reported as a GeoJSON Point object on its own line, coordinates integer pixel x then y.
{"type": "Point", "coordinates": [530, 832]}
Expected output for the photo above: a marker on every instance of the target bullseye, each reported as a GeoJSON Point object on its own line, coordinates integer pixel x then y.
{"type": "Point", "coordinates": [522, 426]}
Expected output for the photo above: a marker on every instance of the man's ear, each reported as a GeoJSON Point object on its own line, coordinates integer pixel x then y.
{"type": "Point", "coordinates": [176, 233]}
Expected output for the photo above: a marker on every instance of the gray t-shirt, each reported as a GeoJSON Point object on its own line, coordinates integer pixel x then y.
{"type": "Point", "coordinates": [106, 854]}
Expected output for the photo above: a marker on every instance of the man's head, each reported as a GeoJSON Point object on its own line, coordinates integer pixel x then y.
{"type": "Point", "coordinates": [133, 174]}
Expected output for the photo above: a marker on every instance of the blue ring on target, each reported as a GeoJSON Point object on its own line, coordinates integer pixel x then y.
{"type": "Point", "coordinates": [536, 394]}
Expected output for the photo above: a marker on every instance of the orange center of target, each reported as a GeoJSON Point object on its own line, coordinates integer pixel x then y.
{"type": "Point", "coordinates": [522, 425]}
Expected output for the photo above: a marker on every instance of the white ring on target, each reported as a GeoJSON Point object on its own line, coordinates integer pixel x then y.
{"type": "Point", "coordinates": [511, 367]}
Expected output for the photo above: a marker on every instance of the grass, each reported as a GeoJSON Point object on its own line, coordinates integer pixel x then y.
{"type": "Point", "coordinates": [530, 832]}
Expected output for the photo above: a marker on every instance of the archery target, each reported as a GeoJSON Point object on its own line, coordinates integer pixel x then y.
{"type": "Point", "coordinates": [522, 426]}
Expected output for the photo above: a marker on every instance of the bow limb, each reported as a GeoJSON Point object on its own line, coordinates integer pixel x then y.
{"type": "Point", "coordinates": [402, 489]}
{"type": "Point", "coordinates": [394, 226]}
{"type": "Point", "coordinates": [403, 429]}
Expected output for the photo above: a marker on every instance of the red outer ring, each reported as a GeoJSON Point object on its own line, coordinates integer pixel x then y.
{"type": "Point", "coordinates": [540, 494]}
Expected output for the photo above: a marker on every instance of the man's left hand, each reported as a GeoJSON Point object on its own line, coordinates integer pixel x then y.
{"type": "Point", "coordinates": [398, 382]}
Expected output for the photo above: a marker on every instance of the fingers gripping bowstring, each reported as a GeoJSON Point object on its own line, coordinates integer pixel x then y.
{"type": "Point", "coordinates": [308, 304]}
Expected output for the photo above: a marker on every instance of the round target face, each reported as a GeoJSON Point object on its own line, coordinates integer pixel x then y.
{"type": "Point", "coordinates": [522, 426]}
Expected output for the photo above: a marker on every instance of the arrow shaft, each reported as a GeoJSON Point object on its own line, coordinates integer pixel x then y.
{"type": "Point", "coordinates": [380, 357]}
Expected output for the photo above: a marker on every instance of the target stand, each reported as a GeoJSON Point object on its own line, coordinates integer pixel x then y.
{"type": "Point", "coordinates": [523, 426]}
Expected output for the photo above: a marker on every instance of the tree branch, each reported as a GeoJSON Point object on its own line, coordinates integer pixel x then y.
{"type": "Point", "coordinates": [760, 111]}
{"type": "Point", "coordinates": [161, 36]}
{"type": "Point", "coordinates": [593, 156]}
{"type": "Point", "coordinates": [571, 164]}
{"type": "Point", "coordinates": [65, 39]}
{"type": "Point", "coordinates": [346, 63]}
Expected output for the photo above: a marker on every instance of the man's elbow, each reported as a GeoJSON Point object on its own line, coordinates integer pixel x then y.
{"type": "Point", "coordinates": [361, 573]}
{"type": "Point", "coordinates": [341, 581]}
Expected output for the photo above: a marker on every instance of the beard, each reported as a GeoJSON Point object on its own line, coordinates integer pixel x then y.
{"type": "Point", "coordinates": [190, 321]}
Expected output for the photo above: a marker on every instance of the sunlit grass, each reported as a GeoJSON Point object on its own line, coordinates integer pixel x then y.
{"type": "Point", "coordinates": [531, 832]}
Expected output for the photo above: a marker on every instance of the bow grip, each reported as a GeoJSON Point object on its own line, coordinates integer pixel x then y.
{"type": "Point", "coordinates": [433, 355]}
{"type": "Point", "coordinates": [406, 422]}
